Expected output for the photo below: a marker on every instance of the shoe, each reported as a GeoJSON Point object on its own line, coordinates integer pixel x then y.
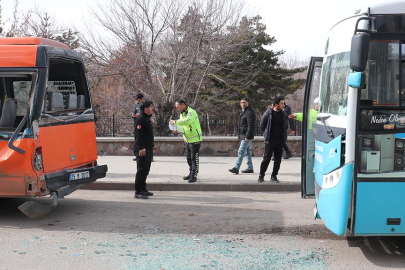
{"type": "Point", "coordinates": [134, 159]}
{"type": "Point", "coordinates": [147, 192]}
{"type": "Point", "coordinates": [272, 159]}
{"type": "Point", "coordinates": [247, 171]}
{"type": "Point", "coordinates": [234, 170]}
{"type": "Point", "coordinates": [261, 179]}
{"type": "Point", "coordinates": [141, 195]}
{"type": "Point", "coordinates": [192, 179]}
{"type": "Point", "coordinates": [152, 160]}
{"type": "Point", "coordinates": [187, 177]}
{"type": "Point", "coordinates": [274, 179]}
{"type": "Point", "coordinates": [288, 155]}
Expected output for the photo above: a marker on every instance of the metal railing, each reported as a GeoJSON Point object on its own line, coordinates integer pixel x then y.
{"type": "Point", "coordinates": [114, 126]}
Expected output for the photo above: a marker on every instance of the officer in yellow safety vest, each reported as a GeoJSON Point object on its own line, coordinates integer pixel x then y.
{"type": "Point", "coordinates": [313, 114]}
{"type": "Point", "coordinates": [192, 134]}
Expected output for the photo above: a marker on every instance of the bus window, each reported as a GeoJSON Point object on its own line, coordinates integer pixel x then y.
{"type": "Point", "coordinates": [66, 87]}
{"type": "Point", "coordinates": [333, 98]}
{"type": "Point", "coordinates": [382, 88]}
{"type": "Point", "coordinates": [403, 75]}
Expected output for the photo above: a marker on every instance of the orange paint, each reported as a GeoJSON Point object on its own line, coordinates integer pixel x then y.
{"type": "Point", "coordinates": [61, 144]}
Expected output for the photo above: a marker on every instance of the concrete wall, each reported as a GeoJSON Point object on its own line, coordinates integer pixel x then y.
{"type": "Point", "coordinates": [174, 146]}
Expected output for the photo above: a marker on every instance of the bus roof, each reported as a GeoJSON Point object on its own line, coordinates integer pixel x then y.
{"type": "Point", "coordinates": [22, 51]}
{"type": "Point", "coordinates": [389, 7]}
{"type": "Point", "coordinates": [32, 41]}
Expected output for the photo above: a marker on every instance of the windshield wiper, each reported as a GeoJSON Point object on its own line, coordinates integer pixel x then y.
{"type": "Point", "coordinates": [323, 120]}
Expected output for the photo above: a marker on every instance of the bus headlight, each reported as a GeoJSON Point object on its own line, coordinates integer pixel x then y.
{"type": "Point", "coordinates": [332, 179]}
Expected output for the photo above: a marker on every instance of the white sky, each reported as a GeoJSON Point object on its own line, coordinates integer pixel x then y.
{"type": "Point", "coordinates": [299, 26]}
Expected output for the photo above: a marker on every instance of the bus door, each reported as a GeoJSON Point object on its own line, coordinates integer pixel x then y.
{"type": "Point", "coordinates": [308, 143]}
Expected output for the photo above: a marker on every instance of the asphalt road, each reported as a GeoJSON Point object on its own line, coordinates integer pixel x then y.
{"type": "Point", "coordinates": [184, 230]}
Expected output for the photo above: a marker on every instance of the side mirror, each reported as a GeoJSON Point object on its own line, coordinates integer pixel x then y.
{"type": "Point", "coordinates": [357, 80]}
{"type": "Point", "coordinates": [359, 51]}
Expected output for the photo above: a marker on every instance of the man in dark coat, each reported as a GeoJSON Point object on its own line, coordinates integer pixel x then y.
{"type": "Point", "coordinates": [274, 126]}
{"type": "Point", "coordinates": [137, 111]}
{"type": "Point", "coordinates": [287, 111]}
{"type": "Point", "coordinates": [246, 129]}
{"type": "Point", "coordinates": [143, 148]}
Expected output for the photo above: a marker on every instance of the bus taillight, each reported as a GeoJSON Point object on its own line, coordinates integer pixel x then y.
{"type": "Point", "coordinates": [38, 159]}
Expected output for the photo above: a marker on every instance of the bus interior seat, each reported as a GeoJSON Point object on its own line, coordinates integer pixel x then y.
{"type": "Point", "coordinates": [55, 101]}
{"type": "Point", "coordinates": [71, 101]}
{"type": "Point", "coordinates": [9, 113]}
{"type": "Point", "coordinates": [81, 104]}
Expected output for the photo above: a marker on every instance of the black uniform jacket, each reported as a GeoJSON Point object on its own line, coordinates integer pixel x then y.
{"type": "Point", "coordinates": [143, 133]}
{"type": "Point", "coordinates": [247, 120]}
{"type": "Point", "coordinates": [287, 111]}
{"type": "Point", "coordinates": [265, 125]}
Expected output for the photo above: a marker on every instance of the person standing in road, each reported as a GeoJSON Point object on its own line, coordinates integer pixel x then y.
{"type": "Point", "coordinates": [192, 135]}
{"type": "Point", "coordinates": [274, 127]}
{"type": "Point", "coordinates": [144, 146]}
{"type": "Point", "coordinates": [246, 129]}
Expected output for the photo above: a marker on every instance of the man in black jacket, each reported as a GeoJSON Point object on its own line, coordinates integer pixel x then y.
{"type": "Point", "coordinates": [274, 127]}
{"type": "Point", "coordinates": [246, 129]}
{"type": "Point", "coordinates": [287, 111]}
{"type": "Point", "coordinates": [143, 148]}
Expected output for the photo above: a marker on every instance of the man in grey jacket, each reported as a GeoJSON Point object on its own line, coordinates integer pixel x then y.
{"type": "Point", "coordinates": [274, 127]}
{"type": "Point", "coordinates": [246, 129]}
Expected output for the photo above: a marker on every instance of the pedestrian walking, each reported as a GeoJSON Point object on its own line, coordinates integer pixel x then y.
{"type": "Point", "coordinates": [192, 136]}
{"type": "Point", "coordinates": [143, 147]}
{"type": "Point", "coordinates": [246, 127]}
{"type": "Point", "coordinates": [291, 122]}
{"type": "Point", "coordinates": [274, 127]}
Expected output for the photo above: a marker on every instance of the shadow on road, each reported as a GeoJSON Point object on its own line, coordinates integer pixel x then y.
{"type": "Point", "coordinates": [213, 214]}
{"type": "Point", "coordinates": [386, 252]}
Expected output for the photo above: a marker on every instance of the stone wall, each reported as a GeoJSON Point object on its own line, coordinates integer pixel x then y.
{"type": "Point", "coordinates": [174, 146]}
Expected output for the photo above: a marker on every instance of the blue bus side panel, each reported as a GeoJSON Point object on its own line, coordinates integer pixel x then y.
{"type": "Point", "coordinates": [334, 203]}
{"type": "Point", "coordinates": [328, 155]}
{"type": "Point", "coordinates": [376, 202]}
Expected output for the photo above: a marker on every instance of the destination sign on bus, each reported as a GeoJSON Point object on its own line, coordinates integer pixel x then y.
{"type": "Point", "coordinates": [375, 120]}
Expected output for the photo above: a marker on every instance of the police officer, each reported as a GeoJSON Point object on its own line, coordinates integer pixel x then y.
{"type": "Point", "coordinates": [192, 135]}
{"type": "Point", "coordinates": [313, 114]}
{"type": "Point", "coordinates": [143, 148]}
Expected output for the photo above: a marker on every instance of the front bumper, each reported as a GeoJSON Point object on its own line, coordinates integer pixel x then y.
{"type": "Point", "coordinates": [57, 180]}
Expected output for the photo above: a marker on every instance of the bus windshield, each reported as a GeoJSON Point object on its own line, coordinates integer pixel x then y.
{"type": "Point", "coordinates": [333, 99]}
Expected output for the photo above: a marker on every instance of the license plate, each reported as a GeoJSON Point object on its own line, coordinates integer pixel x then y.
{"type": "Point", "coordinates": [79, 175]}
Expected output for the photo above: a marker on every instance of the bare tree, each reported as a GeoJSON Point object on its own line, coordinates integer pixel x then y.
{"type": "Point", "coordinates": [168, 49]}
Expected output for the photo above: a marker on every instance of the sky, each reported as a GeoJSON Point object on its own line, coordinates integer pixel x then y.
{"type": "Point", "coordinates": [300, 27]}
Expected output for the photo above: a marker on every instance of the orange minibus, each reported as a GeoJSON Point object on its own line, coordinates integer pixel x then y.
{"type": "Point", "coordinates": [47, 131]}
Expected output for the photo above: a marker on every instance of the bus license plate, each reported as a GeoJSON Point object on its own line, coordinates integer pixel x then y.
{"type": "Point", "coordinates": [79, 175]}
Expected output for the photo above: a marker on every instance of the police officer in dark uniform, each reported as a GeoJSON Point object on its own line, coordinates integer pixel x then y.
{"type": "Point", "coordinates": [143, 148]}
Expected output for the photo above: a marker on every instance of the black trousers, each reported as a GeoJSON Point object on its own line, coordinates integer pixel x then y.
{"type": "Point", "coordinates": [193, 158]}
{"type": "Point", "coordinates": [285, 147]}
{"type": "Point", "coordinates": [143, 168]}
{"type": "Point", "coordinates": [276, 147]}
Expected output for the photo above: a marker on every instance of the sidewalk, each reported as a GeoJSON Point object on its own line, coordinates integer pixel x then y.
{"type": "Point", "coordinates": [167, 174]}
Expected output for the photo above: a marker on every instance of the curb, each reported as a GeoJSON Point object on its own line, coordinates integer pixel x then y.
{"type": "Point", "coordinates": [266, 187]}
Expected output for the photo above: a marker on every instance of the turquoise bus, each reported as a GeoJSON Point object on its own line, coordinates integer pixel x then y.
{"type": "Point", "coordinates": [353, 153]}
